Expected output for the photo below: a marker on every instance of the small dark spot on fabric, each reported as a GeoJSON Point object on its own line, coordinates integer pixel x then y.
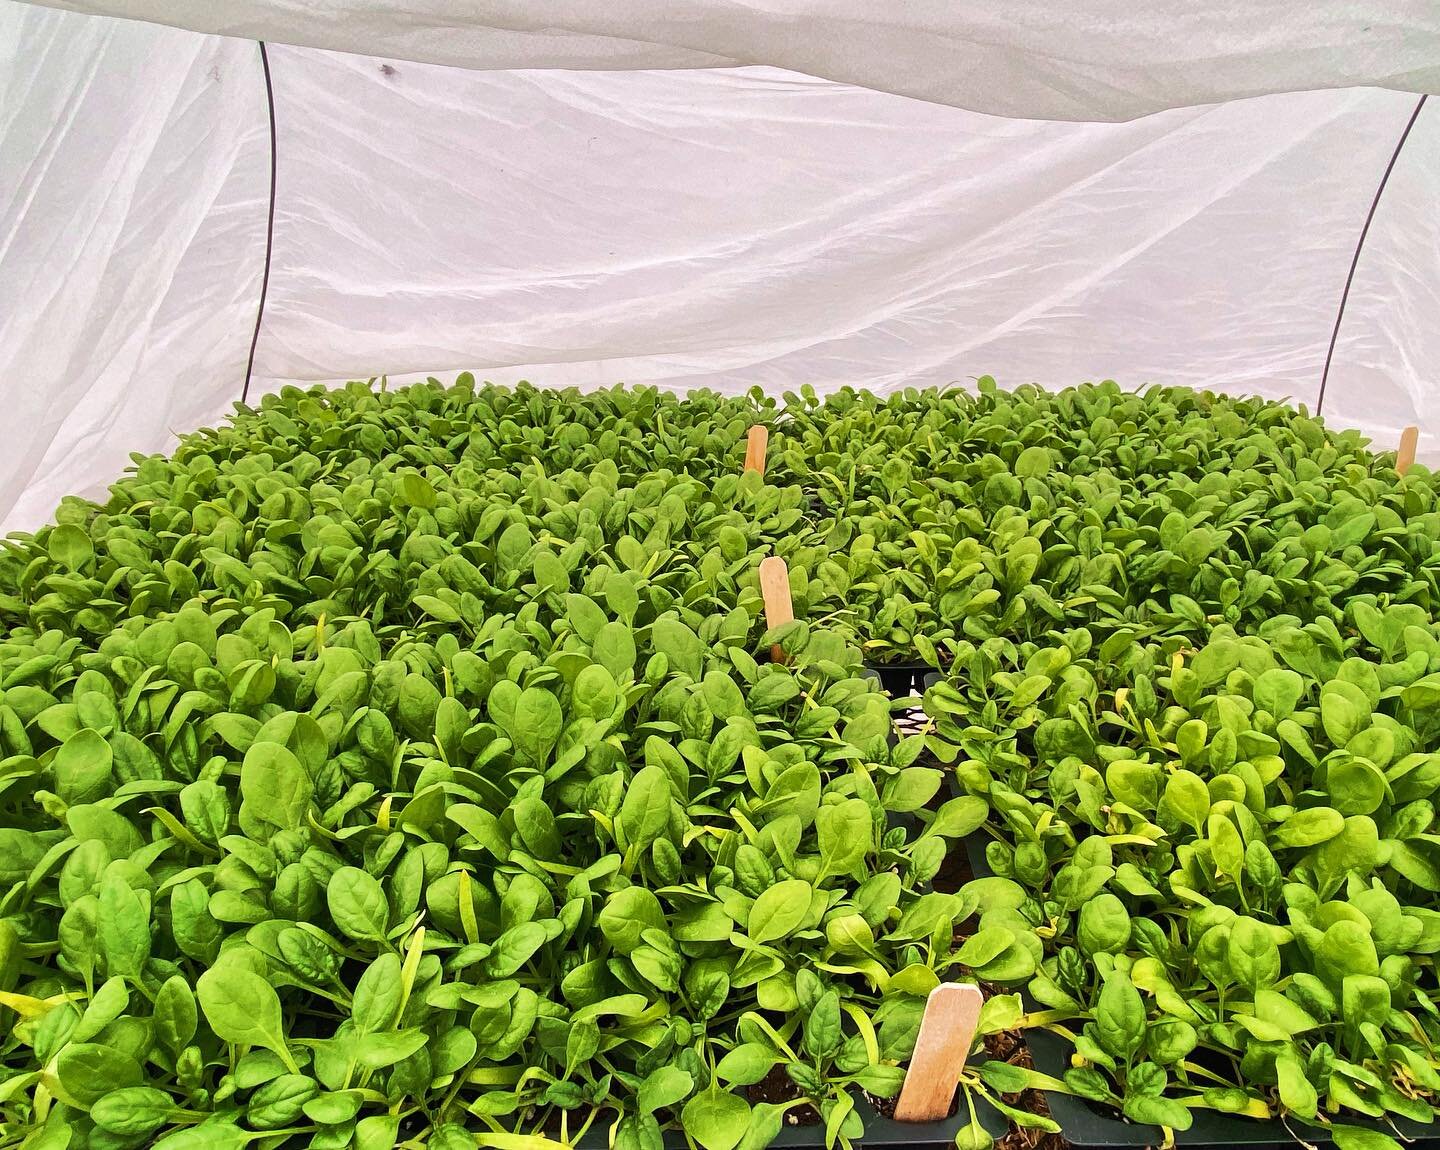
{"type": "Point", "coordinates": [388, 70]}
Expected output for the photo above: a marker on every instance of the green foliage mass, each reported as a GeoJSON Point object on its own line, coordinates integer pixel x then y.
{"type": "Point", "coordinates": [407, 768]}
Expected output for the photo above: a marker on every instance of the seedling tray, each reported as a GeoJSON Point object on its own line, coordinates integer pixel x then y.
{"type": "Point", "coordinates": [880, 1133]}
{"type": "Point", "coordinates": [1087, 1124]}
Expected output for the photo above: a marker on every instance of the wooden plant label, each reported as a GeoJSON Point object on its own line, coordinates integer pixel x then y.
{"type": "Point", "coordinates": [755, 448]}
{"type": "Point", "coordinates": [948, 1027]}
{"type": "Point", "coordinates": [775, 590]}
{"type": "Point", "coordinates": [1409, 440]}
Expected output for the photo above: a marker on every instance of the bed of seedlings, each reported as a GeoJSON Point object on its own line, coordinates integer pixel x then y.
{"type": "Point", "coordinates": [410, 769]}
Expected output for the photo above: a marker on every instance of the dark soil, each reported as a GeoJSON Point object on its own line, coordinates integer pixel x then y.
{"type": "Point", "coordinates": [776, 1087]}
{"type": "Point", "coordinates": [1008, 1046]}
{"type": "Point", "coordinates": [885, 1107]}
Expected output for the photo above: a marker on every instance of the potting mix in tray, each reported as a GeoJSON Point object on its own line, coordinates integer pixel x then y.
{"type": "Point", "coordinates": [410, 768]}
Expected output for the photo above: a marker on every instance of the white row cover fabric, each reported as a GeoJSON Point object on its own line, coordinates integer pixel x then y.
{"type": "Point", "coordinates": [1050, 59]}
{"type": "Point", "coordinates": [713, 227]}
{"type": "Point", "coordinates": [134, 172]}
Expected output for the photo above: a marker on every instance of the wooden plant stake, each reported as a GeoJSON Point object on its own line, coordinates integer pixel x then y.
{"type": "Point", "coordinates": [948, 1027]}
{"type": "Point", "coordinates": [755, 447]}
{"type": "Point", "coordinates": [775, 590]}
{"type": "Point", "coordinates": [1409, 439]}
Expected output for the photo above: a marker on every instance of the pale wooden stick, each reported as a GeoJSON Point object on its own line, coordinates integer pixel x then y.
{"type": "Point", "coordinates": [948, 1027]}
{"type": "Point", "coordinates": [755, 448]}
{"type": "Point", "coordinates": [775, 589]}
{"type": "Point", "coordinates": [1409, 439]}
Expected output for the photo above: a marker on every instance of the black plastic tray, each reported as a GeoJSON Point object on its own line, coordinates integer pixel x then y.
{"type": "Point", "coordinates": [1086, 1124]}
{"type": "Point", "coordinates": [901, 680]}
{"type": "Point", "coordinates": [880, 1132]}
{"type": "Point", "coordinates": [975, 844]}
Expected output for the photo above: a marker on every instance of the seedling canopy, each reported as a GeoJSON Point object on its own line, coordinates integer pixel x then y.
{"type": "Point", "coordinates": [694, 193]}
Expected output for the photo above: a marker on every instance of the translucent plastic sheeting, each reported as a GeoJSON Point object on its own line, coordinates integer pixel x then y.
{"type": "Point", "coordinates": [691, 228]}
{"type": "Point", "coordinates": [732, 228]}
{"type": "Point", "coordinates": [1387, 362]}
{"type": "Point", "coordinates": [134, 166]}
{"type": "Point", "coordinates": [1054, 59]}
